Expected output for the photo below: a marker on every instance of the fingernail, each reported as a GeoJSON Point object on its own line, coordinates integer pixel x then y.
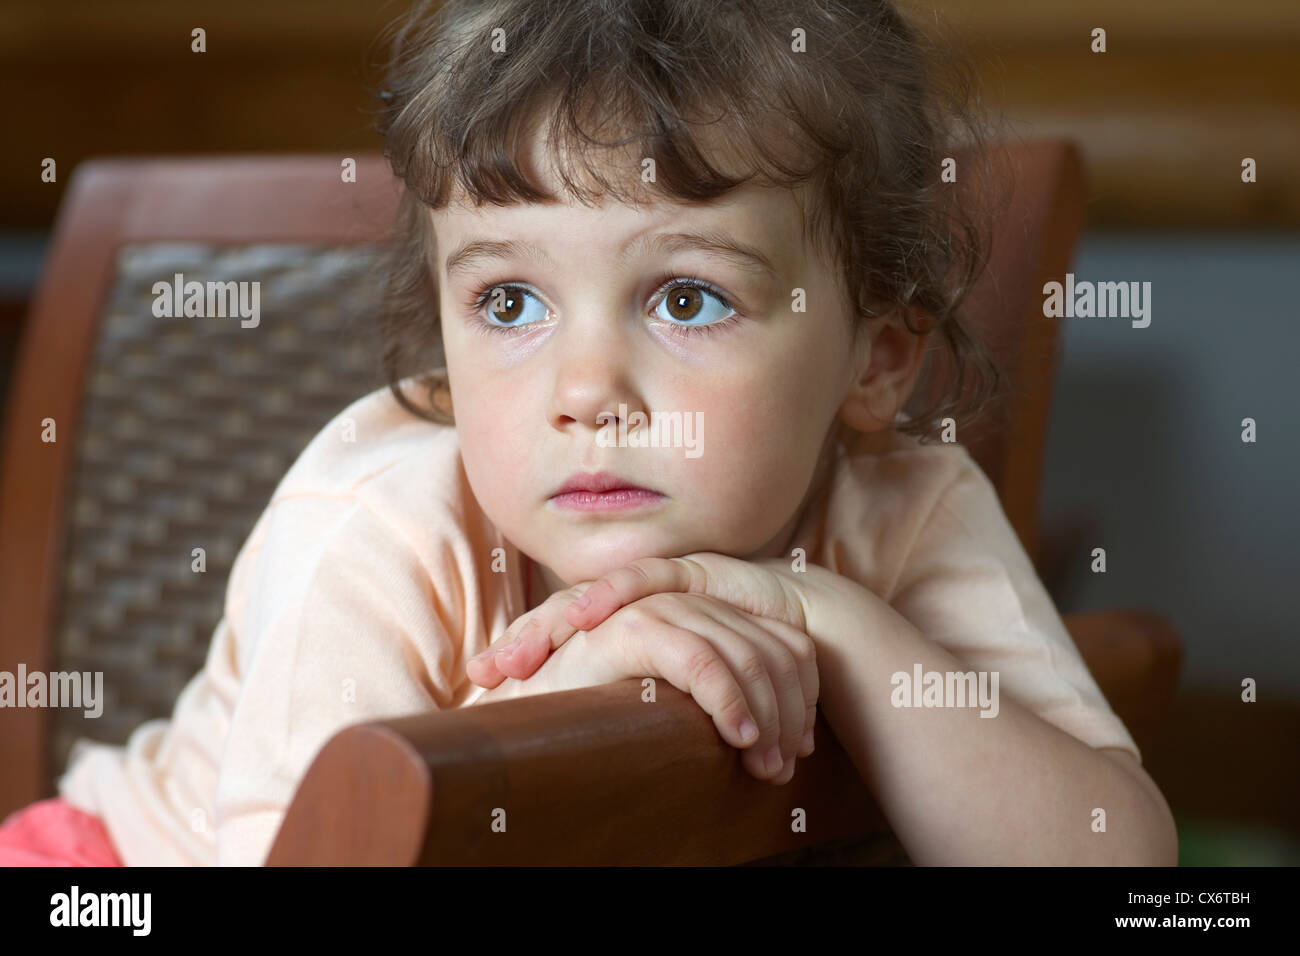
{"type": "Point", "coordinates": [582, 602]}
{"type": "Point", "coordinates": [808, 741]}
{"type": "Point", "coordinates": [774, 761]}
{"type": "Point", "coordinates": [509, 649]}
{"type": "Point", "coordinates": [748, 731]}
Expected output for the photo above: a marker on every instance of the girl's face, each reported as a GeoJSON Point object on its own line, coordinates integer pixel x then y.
{"type": "Point", "coordinates": [589, 318]}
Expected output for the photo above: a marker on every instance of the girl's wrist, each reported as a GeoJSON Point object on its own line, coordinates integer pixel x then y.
{"type": "Point", "coordinates": [835, 606]}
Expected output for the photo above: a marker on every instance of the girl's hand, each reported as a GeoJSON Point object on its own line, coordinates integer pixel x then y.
{"type": "Point", "coordinates": [766, 588]}
{"type": "Point", "coordinates": [739, 667]}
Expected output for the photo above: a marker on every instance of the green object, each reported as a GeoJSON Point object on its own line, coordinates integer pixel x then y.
{"type": "Point", "coordinates": [1203, 842]}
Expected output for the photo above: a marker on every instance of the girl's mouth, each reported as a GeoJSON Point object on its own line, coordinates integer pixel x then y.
{"type": "Point", "coordinates": [615, 499]}
{"type": "Point", "coordinates": [602, 491]}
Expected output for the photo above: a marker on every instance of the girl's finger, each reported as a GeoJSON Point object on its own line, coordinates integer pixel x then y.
{"type": "Point", "coordinates": [528, 642]}
{"type": "Point", "coordinates": [746, 585]}
{"type": "Point", "coordinates": [682, 658]}
{"type": "Point", "coordinates": [712, 672]}
{"type": "Point", "coordinates": [735, 633]}
{"type": "Point", "coordinates": [804, 649]}
{"type": "Point", "coordinates": [630, 583]}
{"type": "Point", "coordinates": [517, 657]}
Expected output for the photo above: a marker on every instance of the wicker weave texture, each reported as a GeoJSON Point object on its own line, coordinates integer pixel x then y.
{"type": "Point", "coordinates": [187, 426]}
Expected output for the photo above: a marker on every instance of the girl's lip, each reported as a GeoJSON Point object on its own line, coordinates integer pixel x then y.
{"type": "Point", "coordinates": [616, 499]}
{"type": "Point", "coordinates": [596, 481]}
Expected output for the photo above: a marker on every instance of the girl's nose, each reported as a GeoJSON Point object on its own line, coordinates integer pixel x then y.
{"type": "Point", "coordinates": [593, 375]}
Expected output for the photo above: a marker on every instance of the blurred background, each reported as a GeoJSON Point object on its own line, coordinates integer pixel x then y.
{"type": "Point", "coordinates": [1144, 457]}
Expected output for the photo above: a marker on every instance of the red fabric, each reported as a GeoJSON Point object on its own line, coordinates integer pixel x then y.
{"type": "Point", "coordinates": [55, 833]}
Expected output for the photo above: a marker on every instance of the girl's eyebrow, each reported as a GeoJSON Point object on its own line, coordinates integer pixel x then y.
{"type": "Point", "coordinates": [714, 243]}
{"type": "Point", "coordinates": [478, 250]}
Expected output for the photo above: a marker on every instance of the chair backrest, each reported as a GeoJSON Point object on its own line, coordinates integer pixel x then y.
{"type": "Point", "coordinates": [601, 776]}
{"type": "Point", "coordinates": [1033, 194]}
{"type": "Point", "coordinates": [591, 777]}
{"type": "Point", "coordinates": [170, 436]}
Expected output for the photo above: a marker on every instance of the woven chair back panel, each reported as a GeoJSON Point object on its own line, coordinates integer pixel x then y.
{"type": "Point", "coordinates": [187, 425]}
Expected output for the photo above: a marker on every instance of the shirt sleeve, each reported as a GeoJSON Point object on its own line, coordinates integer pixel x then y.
{"type": "Point", "coordinates": [341, 625]}
{"type": "Point", "coordinates": [969, 586]}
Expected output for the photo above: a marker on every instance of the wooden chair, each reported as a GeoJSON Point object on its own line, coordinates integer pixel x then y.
{"type": "Point", "coordinates": [170, 440]}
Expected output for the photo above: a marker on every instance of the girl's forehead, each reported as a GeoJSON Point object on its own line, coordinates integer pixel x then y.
{"type": "Point", "coordinates": [752, 212]}
{"type": "Point", "coordinates": [762, 225]}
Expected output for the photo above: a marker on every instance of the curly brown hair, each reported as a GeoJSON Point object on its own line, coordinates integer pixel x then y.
{"type": "Point", "coordinates": [865, 117]}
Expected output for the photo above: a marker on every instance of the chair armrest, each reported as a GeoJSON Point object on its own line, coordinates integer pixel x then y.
{"type": "Point", "coordinates": [1134, 656]}
{"type": "Point", "coordinates": [585, 777]}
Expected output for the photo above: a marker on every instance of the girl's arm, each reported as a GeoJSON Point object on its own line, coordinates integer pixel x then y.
{"type": "Point", "coordinates": [958, 788]}
{"type": "Point", "coordinates": [337, 628]}
{"type": "Point", "coordinates": [962, 789]}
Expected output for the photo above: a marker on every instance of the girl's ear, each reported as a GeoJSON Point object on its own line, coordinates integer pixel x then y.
{"type": "Point", "coordinates": [889, 359]}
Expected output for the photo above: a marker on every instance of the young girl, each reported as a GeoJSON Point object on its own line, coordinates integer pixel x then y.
{"type": "Point", "coordinates": [619, 215]}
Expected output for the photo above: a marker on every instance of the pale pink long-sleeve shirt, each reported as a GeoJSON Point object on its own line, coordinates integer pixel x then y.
{"type": "Point", "coordinates": [368, 581]}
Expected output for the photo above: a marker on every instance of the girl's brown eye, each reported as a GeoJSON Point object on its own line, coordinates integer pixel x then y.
{"type": "Point", "coordinates": [507, 305]}
{"type": "Point", "coordinates": [684, 303]}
